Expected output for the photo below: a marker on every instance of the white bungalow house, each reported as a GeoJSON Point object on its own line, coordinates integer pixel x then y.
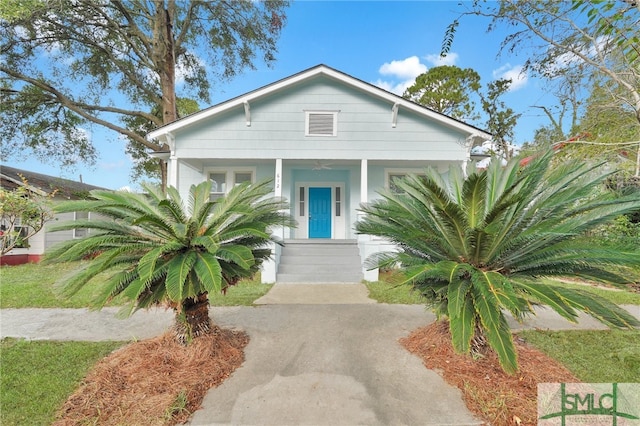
{"type": "Point", "coordinates": [329, 141]}
{"type": "Point", "coordinates": [32, 250]}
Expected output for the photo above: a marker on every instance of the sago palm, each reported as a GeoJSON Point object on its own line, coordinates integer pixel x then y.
{"type": "Point", "coordinates": [476, 247]}
{"type": "Point", "coordinates": [160, 250]}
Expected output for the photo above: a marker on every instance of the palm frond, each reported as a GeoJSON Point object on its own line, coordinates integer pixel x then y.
{"type": "Point", "coordinates": [178, 268]}
{"type": "Point", "coordinates": [494, 325]}
{"type": "Point", "coordinates": [461, 312]}
{"type": "Point", "coordinates": [238, 254]}
{"type": "Point", "coordinates": [209, 272]}
{"type": "Point", "coordinates": [473, 199]}
{"type": "Point", "coordinates": [598, 307]}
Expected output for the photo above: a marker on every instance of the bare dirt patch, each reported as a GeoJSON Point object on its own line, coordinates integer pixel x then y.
{"type": "Point", "coordinates": [491, 394]}
{"type": "Point", "coordinates": [155, 381]}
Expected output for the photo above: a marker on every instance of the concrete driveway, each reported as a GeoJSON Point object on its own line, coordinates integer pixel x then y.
{"type": "Point", "coordinates": [331, 365]}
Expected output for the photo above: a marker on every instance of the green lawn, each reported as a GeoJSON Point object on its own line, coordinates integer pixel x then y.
{"type": "Point", "coordinates": [34, 286]}
{"type": "Point", "coordinates": [242, 294]}
{"type": "Point", "coordinates": [37, 377]}
{"type": "Point", "coordinates": [385, 292]}
{"type": "Point", "coordinates": [604, 356]}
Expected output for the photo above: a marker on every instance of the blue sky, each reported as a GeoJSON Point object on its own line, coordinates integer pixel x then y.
{"type": "Point", "coordinates": [386, 43]}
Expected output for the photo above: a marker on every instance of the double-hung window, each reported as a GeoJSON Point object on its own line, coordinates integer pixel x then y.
{"type": "Point", "coordinates": [80, 232]}
{"type": "Point", "coordinates": [222, 180]}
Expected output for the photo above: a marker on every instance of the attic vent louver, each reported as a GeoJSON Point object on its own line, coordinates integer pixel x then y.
{"type": "Point", "coordinates": [321, 123]}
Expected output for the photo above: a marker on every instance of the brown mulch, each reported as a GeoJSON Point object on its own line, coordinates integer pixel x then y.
{"type": "Point", "coordinates": [155, 381]}
{"type": "Point", "coordinates": [491, 394]}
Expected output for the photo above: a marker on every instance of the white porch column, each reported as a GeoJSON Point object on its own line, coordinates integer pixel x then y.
{"type": "Point", "coordinates": [172, 171]}
{"type": "Point", "coordinates": [270, 266]}
{"type": "Point", "coordinates": [364, 241]}
{"type": "Point", "coordinates": [278, 178]}
{"type": "Point", "coordinates": [364, 181]}
{"type": "Point", "coordinates": [172, 164]}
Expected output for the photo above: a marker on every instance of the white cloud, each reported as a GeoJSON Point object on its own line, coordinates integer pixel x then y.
{"type": "Point", "coordinates": [515, 73]}
{"type": "Point", "coordinates": [436, 60]}
{"type": "Point", "coordinates": [185, 69]}
{"type": "Point", "coordinates": [397, 88]}
{"type": "Point", "coordinates": [113, 165]}
{"type": "Point", "coordinates": [401, 74]}
{"type": "Point", "coordinates": [408, 68]}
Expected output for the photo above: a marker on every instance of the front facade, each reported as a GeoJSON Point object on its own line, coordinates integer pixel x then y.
{"type": "Point", "coordinates": [327, 140]}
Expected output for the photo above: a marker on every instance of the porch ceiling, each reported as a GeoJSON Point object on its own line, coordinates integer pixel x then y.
{"type": "Point", "coordinates": [199, 163]}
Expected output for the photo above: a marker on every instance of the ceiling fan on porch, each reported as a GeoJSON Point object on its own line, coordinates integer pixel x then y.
{"type": "Point", "coordinates": [319, 165]}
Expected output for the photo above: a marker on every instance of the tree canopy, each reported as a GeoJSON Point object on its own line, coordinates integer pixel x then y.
{"type": "Point", "coordinates": [70, 63]}
{"type": "Point", "coordinates": [451, 90]}
{"type": "Point", "coordinates": [447, 89]}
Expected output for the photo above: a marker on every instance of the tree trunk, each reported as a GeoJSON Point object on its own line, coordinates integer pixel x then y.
{"type": "Point", "coordinates": [479, 344]}
{"type": "Point", "coordinates": [193, 321]}
{"type": "Point", "coordinates": [637, 173]}
{"type": "Point", "coordinates": [162, 164]}
{"type": "Point", "coordinates": [165, 58]}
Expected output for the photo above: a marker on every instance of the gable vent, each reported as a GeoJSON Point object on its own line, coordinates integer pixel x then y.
{"type": "Point", "coordinates": [321, 123]}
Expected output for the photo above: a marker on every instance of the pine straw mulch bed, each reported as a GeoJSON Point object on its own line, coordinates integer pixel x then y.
{"type": "Point", "coordinates": [492, 395]}
{"type": "Point", "coordinates": [154, 381]}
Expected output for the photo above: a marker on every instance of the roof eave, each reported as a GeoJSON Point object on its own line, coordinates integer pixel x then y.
{"type": "Point", "coordinates": [161, 132]}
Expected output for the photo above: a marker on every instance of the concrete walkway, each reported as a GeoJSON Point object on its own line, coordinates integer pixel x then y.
{"type": "Point", "coordinates": [314, 360]}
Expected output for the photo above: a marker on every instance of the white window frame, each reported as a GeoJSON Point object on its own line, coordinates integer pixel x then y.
{"type": "Point", "coordinates": [230, 177]}
{"type": "Point", "coordinates": [395, 172]}
{"type": "Point", "coordinates": [307, 115]}
{"type": "Point", "coordinates": [20, 230]}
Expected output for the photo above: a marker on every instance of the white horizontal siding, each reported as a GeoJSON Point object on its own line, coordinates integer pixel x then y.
{"type": "Point", "coordinates": [53, 238]}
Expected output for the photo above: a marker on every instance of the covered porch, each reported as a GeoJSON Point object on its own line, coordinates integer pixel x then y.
{"type": "Point", "coordinates": [324, 194]}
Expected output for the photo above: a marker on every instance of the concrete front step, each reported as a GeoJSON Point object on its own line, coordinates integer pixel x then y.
{"type": "Point", "coordinates": [314, 268]}
{"type": "Point", "coordinates": [320, 261]}
{"type": "Point", "coordinates": [332, 278]}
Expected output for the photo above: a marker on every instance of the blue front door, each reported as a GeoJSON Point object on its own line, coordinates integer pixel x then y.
{"type": "Point", "coordinates": [319, 212]}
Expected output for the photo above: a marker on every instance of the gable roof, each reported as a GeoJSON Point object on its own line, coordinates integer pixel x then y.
{"type": "Point", "coordinates": [10, 179]}
{"type": "Point", "coordinates": [319, 70]}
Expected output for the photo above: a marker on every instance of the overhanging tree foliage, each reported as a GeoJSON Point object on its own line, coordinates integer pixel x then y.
{"type": "Point", "coordinates": [609, 131]}
{"type": "Point", "coordinates": [143, 164]}
{"type": "Point", "coordinates": [69, 63]}
{"type": "Point", "coordinates": [501, 120]}
{"type": "Point", "coordinates": [582, 40]}
{"type": "Point", "coordinates": [476, 247]}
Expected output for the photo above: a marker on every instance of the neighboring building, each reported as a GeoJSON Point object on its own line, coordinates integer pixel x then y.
{"type": "Point", "coordinates": [329, 142]}
{"type": "Point", "coordinates": [11, 178]}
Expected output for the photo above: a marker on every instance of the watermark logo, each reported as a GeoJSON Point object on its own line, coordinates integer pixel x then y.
{"type": "Point", "coordinates": [593, 404]}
